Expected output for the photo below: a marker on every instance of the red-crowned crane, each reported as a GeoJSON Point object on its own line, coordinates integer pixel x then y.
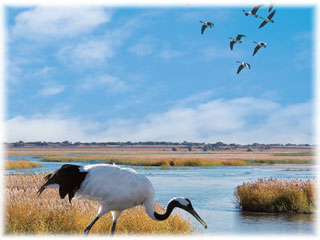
{"type": "Point", "coordinates": [205, 25]}
{"type": "Point", "coordinates": [114, 188]}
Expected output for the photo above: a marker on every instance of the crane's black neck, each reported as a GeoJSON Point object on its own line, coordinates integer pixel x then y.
{"type": "Point", "coordinates": [169, 210]}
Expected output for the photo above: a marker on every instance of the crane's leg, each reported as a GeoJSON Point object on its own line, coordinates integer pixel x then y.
{"type": "Point", "coordinates": [113, 227]}
{"type": "Point", "coordinates": [102, 211]}
{"type": "Point", "coordinates": [87, 229]}
{"type": "Point", "coordinates": [115, 216]}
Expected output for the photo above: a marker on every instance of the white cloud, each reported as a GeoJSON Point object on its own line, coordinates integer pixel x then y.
{"type": "Point", "coordinates": [50, 90]}
{"type": "Point", "coordinates": [108, 82]}
{"type": "Point", "coordinates": [96, 51]}
{"type": "Point", "coordinates": [44, 72]}
{"type": "Point", "coordinates": [195, 98]}
{"type": "Point", "coordinates": [93, 52]}
{"type": "Point", "coordinates": [57, 22]}
{"type": "Point", "coordinates": [47, 128]}
{"type": "Point", "coordinates": [240, 120]}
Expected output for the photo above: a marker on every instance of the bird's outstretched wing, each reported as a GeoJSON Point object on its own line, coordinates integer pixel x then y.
{"type": "Point", "coordinates": [255, 9]}
{"type": "Point", "coordinates": [240, 36]}
{"type": "Point", "coordinates": [240, 68]}
{"type": "Point", "coordinates": [249, 66]}
{"type": "Point", "coordinates": [271, 14]}
{"type": "Point", "coordinates": [203, 28]}
{"type": "Point", "coordinates": [231, 44]}
{"type": "Point", "coordinates": [262, 24]}
{"type": "Point", "coordinates": [256, 49]}
{"type": "Point", "coordinates": [270, 7]}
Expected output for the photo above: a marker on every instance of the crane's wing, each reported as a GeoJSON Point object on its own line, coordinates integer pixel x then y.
{"type": "Point", "coordinates": [240, 36]}
{"type": "Point", "coordinates": [240, 68]}
{"type": "Point", "coordinates": [203, 28]}
{"type": "Point", "coordinates": [262, 24]}
{"type": "Point", "coordinates": [270, 7]}
{"type": "Point", "coordinates": [231, 44]}
{"type": "Point", "coordinates": [256, 8]}
{"type": "Point", "coordinates": [271, 14]}
{"type": "Point", "coordinates": [256, 49]}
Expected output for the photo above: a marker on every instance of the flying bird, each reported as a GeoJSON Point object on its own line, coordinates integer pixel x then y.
{"type": "Point", "coordinates": [114, 188]}
{"type": "Point", "coordinates": [270, 7]}
{"type": "Point", "coordinates": [236, 40]}
{"type": "Point", "coordinates": [268, 19]}
{"type": "Point", "coordinates": [259, 45]}
{"type": "Point", "coordinates": [253, 11]}
{"type": "Point", "coordinates": [242, 65]}
{"type": "Point", "coordinates": [205, 25]}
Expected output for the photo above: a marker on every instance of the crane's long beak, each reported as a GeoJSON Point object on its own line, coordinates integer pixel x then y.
{"type": "Point", "coordinates": [195, 214]}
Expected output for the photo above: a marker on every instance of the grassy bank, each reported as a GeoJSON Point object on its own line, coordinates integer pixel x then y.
{"type": "Point", "coordinates": [48, 214]}
{"type": "Point", "coordinates": [20, 164]}
{"type": "Point", "coordinates": [176, 160]}
{"type": "Point", "coordinates": [147, 161]}
{"type": "Point", "coordinates": [274, 196]}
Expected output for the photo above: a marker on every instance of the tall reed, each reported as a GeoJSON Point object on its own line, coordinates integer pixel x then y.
{"type": "Point", "coordinates": [20, 164]}
{"type": "Point", "coordinates": [273, 195]}
{"type": "Point", "coordinates": [48, 214]}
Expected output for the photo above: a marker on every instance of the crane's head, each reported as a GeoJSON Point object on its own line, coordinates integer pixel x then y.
{"type": "Point", "coordinates": [185, 204]}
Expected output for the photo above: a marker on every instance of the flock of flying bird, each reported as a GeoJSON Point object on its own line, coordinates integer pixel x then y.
{"type": "Point", "coordinates": [237, 39]}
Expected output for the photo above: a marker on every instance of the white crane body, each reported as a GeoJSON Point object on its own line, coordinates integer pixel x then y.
{"type": "Point", "coordinates": [114, 187]}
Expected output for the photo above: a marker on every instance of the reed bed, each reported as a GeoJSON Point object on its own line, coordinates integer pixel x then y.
{"type": "Point", "coordinates": [147, 161]}
{"type": "Point", "coordinates": [273, 196]}
{"type": "Point", "coordinates": [48, 214]}
{"type": "Point", "coordinates": [20, 164]}
{"type": "Point", "coordinates": [208, 160]}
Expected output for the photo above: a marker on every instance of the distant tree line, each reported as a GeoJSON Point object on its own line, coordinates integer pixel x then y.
{"type": "Point", "coordinates": [173, 145]}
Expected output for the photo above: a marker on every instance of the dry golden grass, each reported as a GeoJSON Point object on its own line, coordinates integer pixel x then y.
{"type": "Point", "coordinates": [48, 214]}
{"type": "Point", "coordinates": [20, 164]}
{"type": "Point", "coordinates": [148, 160]}
{"type": "Point", "coordinates": [182, 160]}
{"type": "Point", "coordinates": [149, 157]}
{"type": "Point", "coordinates": [275, 195]}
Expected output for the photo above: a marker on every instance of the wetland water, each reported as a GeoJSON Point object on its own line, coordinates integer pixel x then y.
{"type": "Point", "coordinates": [211, 191]}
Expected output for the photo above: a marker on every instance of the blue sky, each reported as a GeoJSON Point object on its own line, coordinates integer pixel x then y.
{"type": "Point", "coordinates": [147, 74]}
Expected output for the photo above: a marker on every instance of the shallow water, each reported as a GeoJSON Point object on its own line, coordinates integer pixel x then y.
{"type": "Point", "coordinates": [211, 191]}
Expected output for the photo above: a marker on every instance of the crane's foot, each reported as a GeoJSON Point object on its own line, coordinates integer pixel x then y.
{"type": "Point", "coordinates": [86, 231]}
